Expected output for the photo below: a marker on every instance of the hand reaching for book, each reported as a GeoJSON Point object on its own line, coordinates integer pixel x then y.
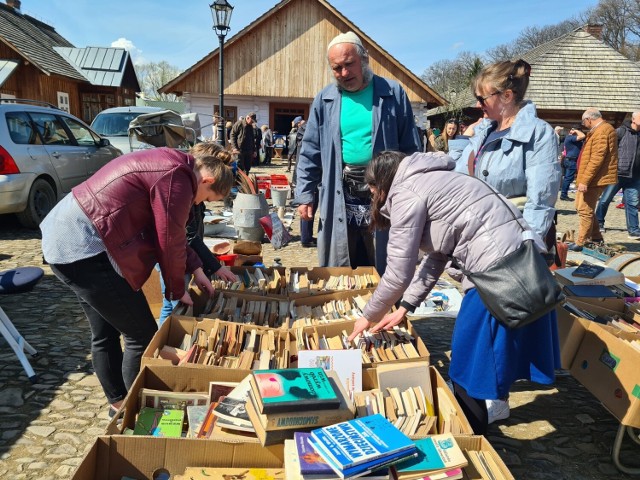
{"type": "Point", "coordinates": [389, 321]}
{"type": "Point", "coordinates": [224, 273]}
{"type": "Point", "coordinates": [360, 326]}
{"type": "Point", "coordinates": [203, 282]}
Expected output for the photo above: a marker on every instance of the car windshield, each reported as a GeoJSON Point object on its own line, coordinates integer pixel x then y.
{"type": "Point", "coordinates": [113, 124]}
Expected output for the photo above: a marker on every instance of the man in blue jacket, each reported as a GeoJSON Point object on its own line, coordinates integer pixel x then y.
{"type": "Point", "coordinates": [352, 120]}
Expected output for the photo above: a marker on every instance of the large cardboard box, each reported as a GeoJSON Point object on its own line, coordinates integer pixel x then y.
{"type": "Point", "coordinates": [607, 366]}
{"type": "Point", "coordinates": [116, 457]}
{"type": "Point", "coordinates": [176, 327]}
{"type": "Point", "coordinates": [172, 379]}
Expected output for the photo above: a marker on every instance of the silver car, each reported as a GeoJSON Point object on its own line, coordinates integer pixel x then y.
{"type": "Point", "coordinates": [44, 153]}
{"type": "Point", "coordinates": [113, 124]}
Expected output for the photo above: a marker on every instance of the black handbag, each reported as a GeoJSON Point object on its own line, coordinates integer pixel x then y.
{"type": "Point", "coordinates": [519, 288]}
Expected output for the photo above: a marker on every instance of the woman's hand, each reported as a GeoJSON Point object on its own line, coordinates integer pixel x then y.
{"type": "Point", "coordinates": [225, 274]}
{"type": "Point", "coordinates": [202, 281]}
{"type": "Point", "coordinates": [186, 299]}
{"type": "Point", "coordinates": [360, 326]}
{"type": "Point", "coordinates": [390, 321]}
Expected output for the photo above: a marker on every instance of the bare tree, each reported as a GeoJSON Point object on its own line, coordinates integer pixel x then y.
{"type": "Point", "coordinates": [620, 20]}
{"type": "Point", "coordinates": [154, 75]}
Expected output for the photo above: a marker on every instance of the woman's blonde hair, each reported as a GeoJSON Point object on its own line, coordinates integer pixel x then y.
{"type": "Point", "coordinates": [217, 161]}
{"type": "Point", "coordinates": [503, 76]}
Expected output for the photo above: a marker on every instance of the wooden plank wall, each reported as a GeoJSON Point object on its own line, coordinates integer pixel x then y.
{"type": "Point", "coordinates": [285, 57]}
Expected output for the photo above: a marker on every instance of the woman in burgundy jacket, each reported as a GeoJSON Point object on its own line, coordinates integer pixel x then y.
{"type": "Point", "coordinates": [104, 239]}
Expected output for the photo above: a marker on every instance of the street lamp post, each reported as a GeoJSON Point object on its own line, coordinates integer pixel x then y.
{"type": "Point", "coordinates": [221, 13]}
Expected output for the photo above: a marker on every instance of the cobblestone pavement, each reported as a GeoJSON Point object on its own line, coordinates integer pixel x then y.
{"type": "Point", "coordinates": [559, 432]}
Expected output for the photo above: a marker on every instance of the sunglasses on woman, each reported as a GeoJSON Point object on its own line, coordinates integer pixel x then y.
{"type": "Point", "coordinates": [482, 99]}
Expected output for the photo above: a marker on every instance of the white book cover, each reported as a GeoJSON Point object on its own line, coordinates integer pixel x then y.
{"type": "Point", "coordinates": [346, 363]}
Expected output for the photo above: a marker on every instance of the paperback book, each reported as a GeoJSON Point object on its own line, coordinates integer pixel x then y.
{"type": "Point", "coordinates": [436, 454]}
{"type": "Point", "coordinates": [293, 389]}
{"type": "Point", "coordinates": [159, 422]}
{"type": "Point", "coordinates": [361, 441]}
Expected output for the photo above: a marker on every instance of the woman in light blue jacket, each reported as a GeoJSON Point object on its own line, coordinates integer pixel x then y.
{"type": "Point", "coordinates": [516, 153]}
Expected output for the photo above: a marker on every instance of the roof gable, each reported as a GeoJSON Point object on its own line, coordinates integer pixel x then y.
{"type": "Point", "coordinates": [34, 41]}
{"type": "Point", "coordinates": [288, 45]}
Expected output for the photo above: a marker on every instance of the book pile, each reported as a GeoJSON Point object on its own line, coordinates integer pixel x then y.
{"type": "Point", "coordinates": [589, 275]}
{"type": "Point", "coordinates": [299, 282]}
{"type": "Point", "coordinates": [334, 310]}
{"type": "Point", "coordinates": [410, 410]}
{"type": "Point", "coordinates": [439, 457]}
{"type": "Point", "coordinates": [360, 446]}
{"type": "Point", "coordinates": [258, 282]}
{"type": "Point", "coordinates": [282, 401]}
{"type": "Point", "coordinates": [268, 312]}
{"type": "Point", "coordinates": [232, 345]}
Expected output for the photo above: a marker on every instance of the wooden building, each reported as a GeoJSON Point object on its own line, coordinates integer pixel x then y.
{"type": "Point", "coordinates": [570, 74]}
{"type": "Point", "coordinates": [37, 63]}
{"type": "Point", "coordinates": [277, 64]}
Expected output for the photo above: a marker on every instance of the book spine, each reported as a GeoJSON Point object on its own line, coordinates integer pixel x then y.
{"type": "Point", "coordinates": [320, 418]}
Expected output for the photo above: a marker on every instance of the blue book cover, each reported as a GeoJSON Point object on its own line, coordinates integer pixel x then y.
{"type": "Point", "coordinates": [379, 465]}
{"type": "Point", "coordinates": [435, 453]}
{"type": "Point", "coordinates": [360, 440]}
{"type": "Point", "coordinates": [311, 462]}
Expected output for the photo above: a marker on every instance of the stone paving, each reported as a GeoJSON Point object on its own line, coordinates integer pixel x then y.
{"type": "Point", "coordinates": [559, 432]}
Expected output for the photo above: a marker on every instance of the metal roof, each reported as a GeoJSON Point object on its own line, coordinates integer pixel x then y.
{"type": "Point", "coordinates": [101, 66]}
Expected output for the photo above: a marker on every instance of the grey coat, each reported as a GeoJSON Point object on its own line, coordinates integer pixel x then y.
{"type": "Point", "coordinates": [445, 214]}
{"type": "Point", "coordinates": [320, 161]}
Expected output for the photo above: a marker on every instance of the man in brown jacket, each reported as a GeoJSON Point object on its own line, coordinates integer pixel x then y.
{"type": "Point", "coordinates": [597, 168]}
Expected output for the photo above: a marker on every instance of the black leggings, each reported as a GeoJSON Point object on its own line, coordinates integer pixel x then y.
{"type": "Point", "coordinates": [474, 409]}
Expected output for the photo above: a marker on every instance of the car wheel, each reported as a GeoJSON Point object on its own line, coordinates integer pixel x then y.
{"type": "Point", "coordinates": [42, 199]}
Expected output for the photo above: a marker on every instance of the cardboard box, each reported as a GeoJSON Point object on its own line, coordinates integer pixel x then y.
{"type": "Point", "coordinates": [153, 293]}
{"type": "Point", "coordinates": [571, 330]}
{"type": "Point", "coordinates": [175, 328]}
{"type": "Point", "coordinates": [318, 300]}
{"type": "Point", "coordinates": [369, 381]}
{"type": "Point", "coordinates": [479, 443]}
{"type": "Point", "coordinates": [112, 458]}
{"type": "Point", "coordinates": [172, 379]}
{"type": "Point", "coordinates": [607, 366]}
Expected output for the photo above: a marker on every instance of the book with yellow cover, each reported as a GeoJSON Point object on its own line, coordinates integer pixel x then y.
{"type": "Point", "coordinates": [214, 473]}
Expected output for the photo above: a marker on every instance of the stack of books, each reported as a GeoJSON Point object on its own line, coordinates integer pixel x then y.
{"type": "Point", "coordinates": [360, 446]}
{"type": "Point", "coordinates": [283, 401]}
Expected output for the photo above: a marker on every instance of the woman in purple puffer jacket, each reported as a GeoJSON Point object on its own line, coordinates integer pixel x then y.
{"type": "Point", "coordinates": [427, 206]}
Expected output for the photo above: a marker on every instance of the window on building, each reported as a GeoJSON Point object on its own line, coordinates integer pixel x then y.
{"type": "Point", "coordinates": [63, 101]}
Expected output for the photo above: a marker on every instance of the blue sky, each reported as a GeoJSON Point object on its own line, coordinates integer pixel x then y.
{"type": "Point", "coordinates": [416, 32]}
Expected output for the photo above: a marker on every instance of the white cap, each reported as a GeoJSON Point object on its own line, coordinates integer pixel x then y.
{"type": "Point", "coordinates": [348, 37]}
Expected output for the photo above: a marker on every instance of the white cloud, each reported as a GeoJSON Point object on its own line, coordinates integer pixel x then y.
{"type": "Point", "coordinates": [457, 46]}
{"type": "Point", "coordinates": [135, 52]}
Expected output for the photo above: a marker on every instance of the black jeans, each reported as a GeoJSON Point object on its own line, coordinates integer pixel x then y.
{"type": "Point", "coordinates": [113, 308]}
{"type": "Point", "coordinates": [474, 409]}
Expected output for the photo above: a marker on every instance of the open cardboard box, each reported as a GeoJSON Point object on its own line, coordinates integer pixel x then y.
{"type": "Point", "coordinates": [116, 457]}
{"type": "Point", "coordinates": [176, 327]}
{"type": "Point", "coordinates": [478, 443]}
{"type": "Point", "coordinates": [368, 371]}
{"type": "Point", "coordinates": [171, 379]}
{"type": "Point", "coordinates": [571, 330]}
{"type": "Point", "coordinates": [318, 300]}
{"type": "Point", "coordinates": [607, 366]}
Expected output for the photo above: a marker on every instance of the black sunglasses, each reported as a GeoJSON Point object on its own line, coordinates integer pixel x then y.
{"type": "Point", "coordinates": [482, 99]}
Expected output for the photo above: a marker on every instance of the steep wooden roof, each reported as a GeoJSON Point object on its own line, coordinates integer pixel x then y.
{"type": "Point", "coordinates": [283, 54]}
{"type": "Point", "coordinates": [34, 41]}
{"type": "Point", "coordinates": [576, 71]}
